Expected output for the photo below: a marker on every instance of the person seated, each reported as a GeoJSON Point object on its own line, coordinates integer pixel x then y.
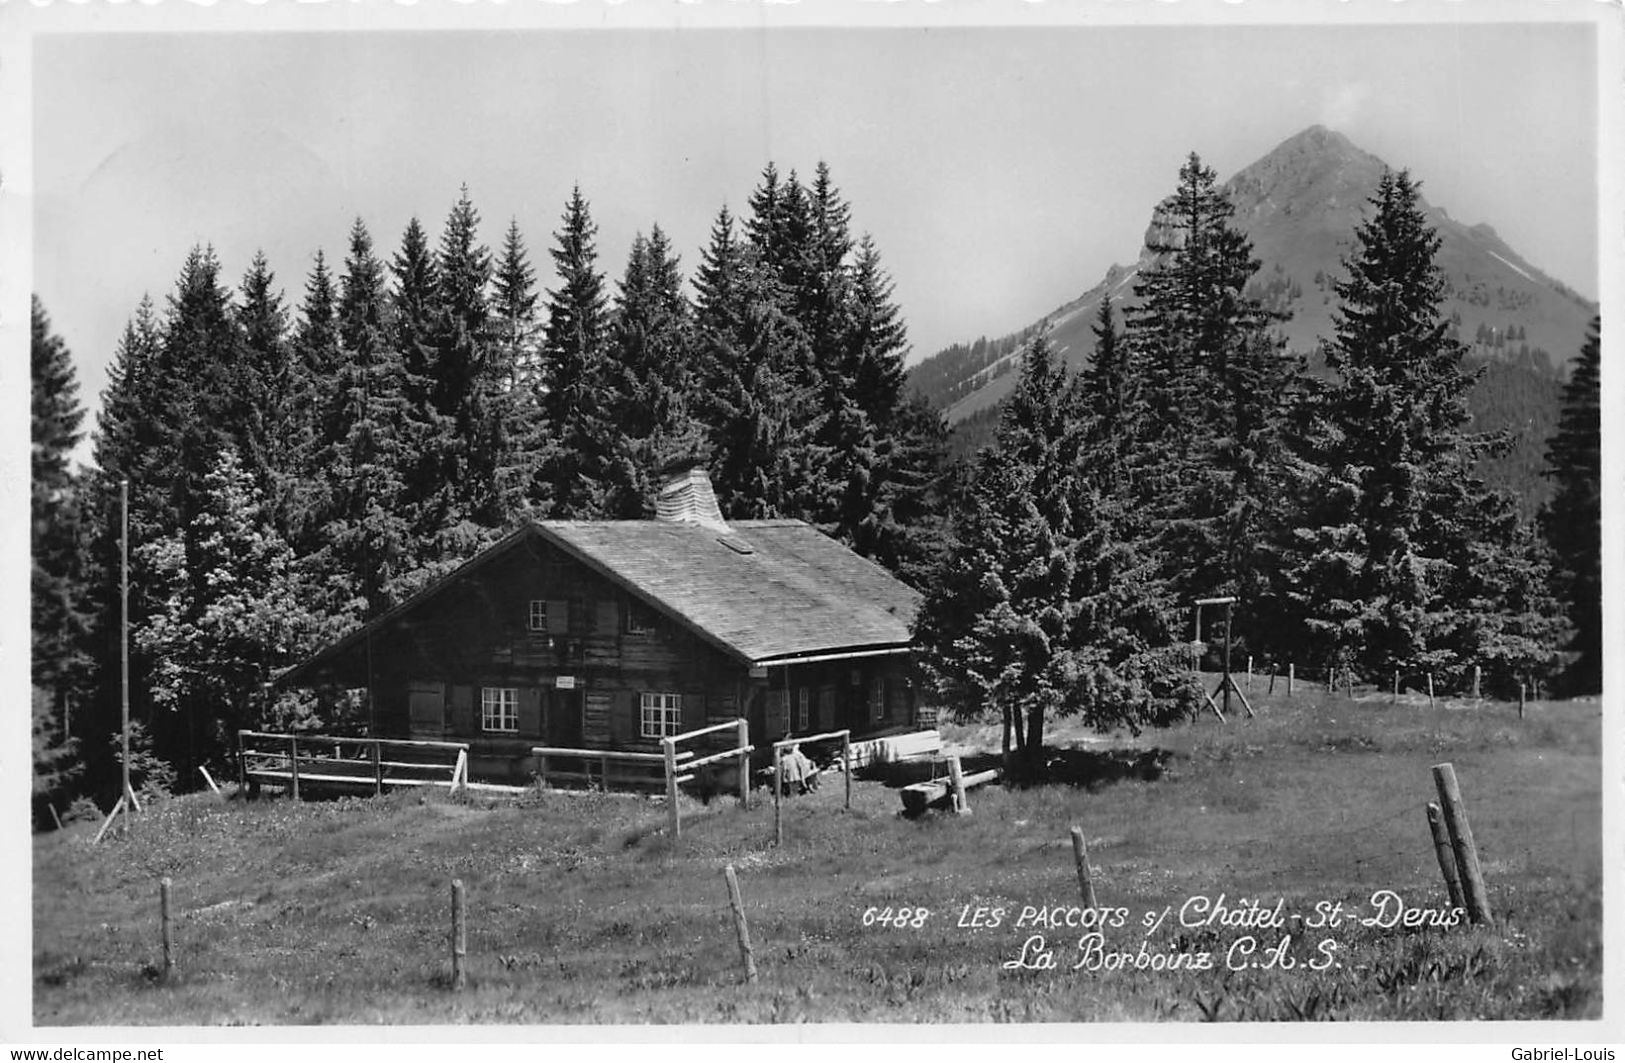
{"type": "Point", "coordinates": [800, 775]}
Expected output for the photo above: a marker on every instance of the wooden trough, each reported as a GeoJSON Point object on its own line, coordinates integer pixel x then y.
{"type": "Point", "coordinates": [917, 797]}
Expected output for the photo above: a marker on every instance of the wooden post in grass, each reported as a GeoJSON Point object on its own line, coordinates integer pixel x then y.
{"type": "Point", "coordinates": [956, 779]}
{"type": "Point", "coordinates": [1474, 897]}
{"type": "Point", "coordinates": [674, 818]}
{"type": "Point", "coordinates": [1394, 700]}
{"type": "Point", "coordinates": [1520, 701]}
{"type": "Point", "coordinates": [165, 934]}
{"type": "Point", "coordinates": [1080, 856]}
{"type": "Point", "coordinates": [1272, 679]}
{"type": "Point", "coordinates": [1430, 690]}
{"type": "Point", "coordinates": [54, 817]}
{"type": "Point", "coordinates": [208, 779]}
{"type": "Point", "coordinates": [377, 769]}
{"type": "Point", "coordinates": [1348, 681]}
{"type": "Point", "coordinates": [1447, 859]}
{"type": "Point", "coordinates": [846, 765]}
{"type": "Point", "coordinates": [1478, 673]}
{"type": "Point", "coordinates": [1249, 671]}
{"type": "Point", "coordinates": [740, 929]}
{"type": "Point", "coordinates": [242, 763]}
{"type": "Point", "coordinates": [459, 935]}
{"type": "Point", "coordinates": [293, 764]}
{"type": "Point", "coordinates": [603, 773]}
{"type": "Point", "coordinates": [744, 763]}
{"type": "Point", "coordinates": [108, 822]}
{"type": "Point", "coordinates": [1291, 674]}
{"type": "Point", "coordinates": [778, 796]}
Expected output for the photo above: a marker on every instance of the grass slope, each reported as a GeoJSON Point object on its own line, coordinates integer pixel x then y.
{"type": "Point", "coordinates": [582, 910]}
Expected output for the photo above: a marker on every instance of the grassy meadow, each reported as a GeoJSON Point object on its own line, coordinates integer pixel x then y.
{"type": "Point", "coordinates": [582, 910]}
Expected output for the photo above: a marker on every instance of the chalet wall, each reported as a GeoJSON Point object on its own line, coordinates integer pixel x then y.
{"type": "Point", "coordinates": [565, 658]}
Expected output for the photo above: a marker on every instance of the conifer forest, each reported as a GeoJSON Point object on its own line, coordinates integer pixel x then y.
{"type": "Point", "coordinates": [302, 453]}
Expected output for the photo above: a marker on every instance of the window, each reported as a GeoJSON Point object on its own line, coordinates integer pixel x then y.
{"type": "Point", "coordinates": [661, 714]}
{"type": "Point", "coordinates": [877, 699]}
{"type": "Point", "coordinates": [538, 615]}
{"type": "Point", "coordinates": [804, 711]}
{"type": "Point", "coordinates": [499, 709]}
{"type": "Point", "coordinates": [639, 621]}
{"type": "Point", "coordinates": [784, 712]}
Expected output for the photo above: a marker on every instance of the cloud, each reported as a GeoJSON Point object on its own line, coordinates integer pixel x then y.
{"type": "Point", "coordinates": [1343, 103]}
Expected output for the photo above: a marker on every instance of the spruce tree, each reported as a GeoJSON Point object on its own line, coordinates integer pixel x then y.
{"type": "Point", "coordinates": [428, 461]}
{"type": "Point", "coordinates": [466, 372]}
{"type": "Point", "coordinates": [59, 613]}
{"type": "Point", "coordinates": [1212, 382]}
{"type": "Point", "coordinates": [1572, 522]}
{"type": "Point", "coordinates": [365, 541]}
{"type": "Point", "coordinates": [649, 377]}
{"type": "Point", "coordinates": [316, 363]}
{"type": "Point", "coordinates": [1404, 559]}
{"type": "Point", "coordinates": [1038, 608]}
{"type": "Point", "coordinates": [265, 378]}
{"type": "Point", "coordinates": [575, 465]}
{"type": "Point", "coordinates": [756, 395]}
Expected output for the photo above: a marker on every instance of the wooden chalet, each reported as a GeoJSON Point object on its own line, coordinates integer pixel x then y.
{"type": "Point", "coordinates": [609, 635]}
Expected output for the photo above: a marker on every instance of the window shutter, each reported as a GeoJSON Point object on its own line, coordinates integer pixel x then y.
{"type": "Point", "coordinates": [463, 721]}
{"type": "Point", "coordinates": [530, 712]}
{"type": "Point", "coordinates": [608, 616]}
{"type": "Point", "coordinates": [623, 724]}
{"type": "Point", "coordinates": [558, 617]}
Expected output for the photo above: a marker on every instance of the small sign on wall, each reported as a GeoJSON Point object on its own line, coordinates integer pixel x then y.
{"type": "Point", "coordinates": [565, 682]}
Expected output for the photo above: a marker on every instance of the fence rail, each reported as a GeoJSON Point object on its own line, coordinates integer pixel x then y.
{"type": "Point", "coordinates": [652, 775]}
{"type": "Point", "coordinates": [266, 757]}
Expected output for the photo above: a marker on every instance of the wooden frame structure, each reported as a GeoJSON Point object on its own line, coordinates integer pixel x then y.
{"type": "Point", "coordinates": [1228, 683]}
{"type": "Point", "coordinates": [654, 762]}
{"type": "Point", "coordinates": [740, 753]}
{"type": "Point", "coordinates": [845, 735]}
{"type": "Point", "coordinates": [283, 767]}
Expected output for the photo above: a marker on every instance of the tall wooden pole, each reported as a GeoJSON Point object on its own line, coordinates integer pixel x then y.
{"type": "Point", "coordinates": [459, 935]}
{"type": "Point", "coordinates": [741, 930]}
{"type": "Point", "coordinates": [124, 623]}
{"type": "Point", "coordinates": [166, 935]}
{"type": "Point", "coordinates": [674, 818]}
{"type": "Point", "coordinates": [1461, 842]}
{"type": "Point", "coordinates": [1080, 856]}
{"type": "Point", "coordinates": [1446, 856]}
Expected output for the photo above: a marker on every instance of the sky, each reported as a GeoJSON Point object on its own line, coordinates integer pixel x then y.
{"type": "Point", "coordinates": [1000, 170]}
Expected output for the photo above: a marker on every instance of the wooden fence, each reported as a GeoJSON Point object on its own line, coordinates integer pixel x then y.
{"type": "Point", "coordinates": [652, 766]}
{"type": "Point", "coordinates": [778, 773]}
{"type": "Point", "coordinates": [740, 754]}
{"type": "Point", "coordinates": [291, 759]}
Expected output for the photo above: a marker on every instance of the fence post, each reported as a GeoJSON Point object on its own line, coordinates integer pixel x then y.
{"type": "Point", "coordinates": [1249, 671]}
{"type": "Point", "coordinates": [1520, 701]}
{"type": "Point", "coordinates": [1272, 679]}
{"type": "Point", "coordinates": [242, 763]}
{"type": "Point", "coordinates": [1394, 700]}
{"type": "Point", "coordinates": [778, 795]}
{"type": "Point", "coordinates": [603, 772]}
{"type": "Point", "coordinates": [740, 929]}
{"type": "Point", "coordinates": [165, 933]}
{"type": "Point", "coordinates": [377, 768]}
{"type": "Point", "coordinates": [1461, 843]}
{"type": "Point", "coordinates": [459, 935]}
{"type": "Point", "coordinates": [1447, 859]}
{"type": "Point", "coordinates": [293, 764]}
{"type": "Point", "coordinates": [846, 765]}
{"type": "Point", "coordinates": [956, 778]}
{"type": "Point", "coordinates": [1477, 674]}
{"type": "Point", "coordinates": [744, 763]}
{"type": "Point", "coordinates": [1430, 690]}
{"type": "Point", "coordinates": [673, 817]}
{"type": "Point", "coordinates": [1080, 855]}
{"type": "Point", "coordinates": [1291, 674]}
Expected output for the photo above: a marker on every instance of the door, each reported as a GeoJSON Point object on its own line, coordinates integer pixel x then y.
{"type": "Point", "coordinates": [564, 719]}
{"type": "Point", "coordinates": [426, 709]}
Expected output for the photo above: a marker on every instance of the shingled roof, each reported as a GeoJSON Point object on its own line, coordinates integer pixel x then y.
{"type": "Point", "coordinates": [763, 591]}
